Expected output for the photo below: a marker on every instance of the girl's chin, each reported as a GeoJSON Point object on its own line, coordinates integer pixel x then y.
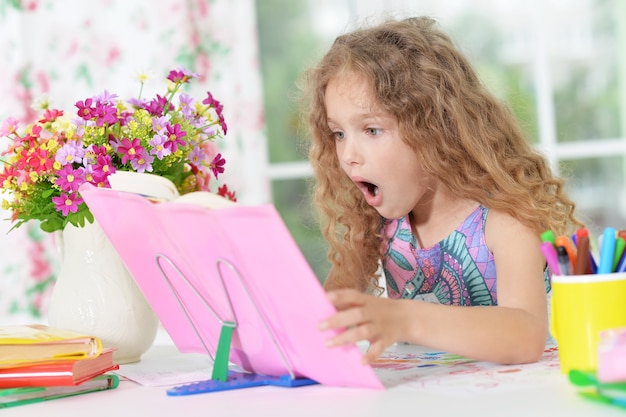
{"type": "Point", "coordinates": [389, 213]}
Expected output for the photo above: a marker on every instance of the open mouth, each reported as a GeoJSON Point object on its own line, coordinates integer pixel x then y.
{"type": "Point", "coordinates": [368, 188]}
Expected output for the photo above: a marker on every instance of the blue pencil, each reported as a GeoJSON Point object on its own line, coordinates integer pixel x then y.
{"type": "Point", "coordinates": [607, 251]}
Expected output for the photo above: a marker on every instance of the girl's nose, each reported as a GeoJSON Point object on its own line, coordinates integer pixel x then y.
{"type": "Point", "coordinates": [348, 152]}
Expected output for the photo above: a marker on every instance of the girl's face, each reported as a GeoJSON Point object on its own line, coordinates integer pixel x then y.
{"type": "Point", "coordinates": [370, 149]}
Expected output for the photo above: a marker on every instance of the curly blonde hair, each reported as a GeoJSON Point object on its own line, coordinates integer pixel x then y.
{"type": "Point", "coordinates": [461, 135]}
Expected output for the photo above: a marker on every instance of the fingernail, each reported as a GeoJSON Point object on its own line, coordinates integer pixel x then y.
{"type": "Point", "coordinates": [323, 325]}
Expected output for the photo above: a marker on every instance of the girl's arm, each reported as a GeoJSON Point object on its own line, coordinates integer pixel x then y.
{"type": "Point", "coordinates": [515, 331]}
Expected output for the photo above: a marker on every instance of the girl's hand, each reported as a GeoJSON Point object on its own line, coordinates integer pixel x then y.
{"type": "Point", "coordinates": [365, 317]}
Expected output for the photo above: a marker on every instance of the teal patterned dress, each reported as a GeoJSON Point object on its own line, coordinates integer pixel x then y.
{"type": "Point", "coordinates": [459, 270]}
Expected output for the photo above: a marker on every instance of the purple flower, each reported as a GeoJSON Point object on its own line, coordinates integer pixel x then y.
{"type": "Point", "coordinates": [196, 156]}
{"type": "Point", "coordinates": [106, 98]}
{"type": "Point", "coordinates": [138, 103]}
{"type": "Point", "coordinates": [158, 146]}
{"type": "Point", "coordinates": [143, 163]}
{"type": "Point", "coordinates": [69, 153]}
{"type": "Point", "coordinates": [198, 122]}
{"type": "Point", "coordinates": [186, 105]}
{"type": "Point", "coordinates": [159, 124]}
{"type": "Point", "coordinates": [80, 126]}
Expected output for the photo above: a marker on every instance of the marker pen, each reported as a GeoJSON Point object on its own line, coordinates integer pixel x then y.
{"type": "Point", "coordinates": [621, 266]}
{"type": "Point", "coordinates": [571, 254]}
{"type": "Point", "coordinates": [582, 256]}
{"type": "Point", "coordinates": [620, 245]}
{"type": "Point", "coordinates": [607, 251]}
{"type": "Point", "coordinates": [549, 236]}
{"type": "Point", "coordinates": [549, 252]}
{"type": "Point", "coordinates": [564, 263]}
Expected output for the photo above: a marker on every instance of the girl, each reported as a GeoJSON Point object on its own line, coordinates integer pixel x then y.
{"type": "Point", "coordinates": [420, 168]}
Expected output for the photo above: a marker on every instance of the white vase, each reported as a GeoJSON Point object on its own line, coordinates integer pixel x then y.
{"type": "Point", "coordinates": [94, 292]}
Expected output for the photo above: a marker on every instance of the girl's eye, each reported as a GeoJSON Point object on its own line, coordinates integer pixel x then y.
{"type": "Point", "coordinates": [338, 135]}
{"type": "Point", "coordinates": [373, 131]}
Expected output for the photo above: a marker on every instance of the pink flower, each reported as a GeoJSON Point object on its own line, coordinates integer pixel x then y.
{"type": "Point", "coordinates": [170, 135]}
{"type": "Point", "coordinates": [174, 137]}
{"type": "Point", "coordinates": [84, 109]}
{"type": "Point", "coordinates": [69, 178]}
{"type": "Point", "coordinates": [50, 115]}
{"type": "Point", "coordinates": [217, 165]}
{"type": "Point", "coordinates": [9, 126]}
{"type": "Point", "coordinates": [129, 150]}
{"type": "Point", "coordinates": [67, 203]}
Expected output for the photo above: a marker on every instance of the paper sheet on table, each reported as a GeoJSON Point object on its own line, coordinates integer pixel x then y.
{"type": "Point", "coordinates": [158, 372]}
{"type": "Point", "coordinates": [409, 367]}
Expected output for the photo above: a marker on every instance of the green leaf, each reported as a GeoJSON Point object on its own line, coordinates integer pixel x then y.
{"type": "Point", "coordinates": [51, 225]}
{"type": "Point", "coordinates": [89, 216]}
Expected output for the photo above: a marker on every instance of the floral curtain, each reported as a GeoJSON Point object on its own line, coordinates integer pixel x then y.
{"type": "Point", "coordinates": [68, 50]}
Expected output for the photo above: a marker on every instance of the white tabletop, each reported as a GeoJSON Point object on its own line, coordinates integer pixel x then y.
{"type": "Point", "coordinates": [530, 390]}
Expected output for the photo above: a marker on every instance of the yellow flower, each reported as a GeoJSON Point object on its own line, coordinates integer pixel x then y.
{"type": "Point", "coordinates": [144, 75]}
{"type": "Point", "coordinates": [63, 124]}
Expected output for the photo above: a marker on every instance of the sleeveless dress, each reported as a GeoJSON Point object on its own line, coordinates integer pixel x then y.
{"type": "Point", "coordinates": [459, 270]}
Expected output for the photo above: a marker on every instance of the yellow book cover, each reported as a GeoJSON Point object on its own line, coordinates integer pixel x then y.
{"type": "Point", "coordinates": [30, 343]}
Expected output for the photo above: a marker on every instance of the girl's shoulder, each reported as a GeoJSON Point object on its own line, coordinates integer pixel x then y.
{"type": "Point", "coordinates": [502, 229]}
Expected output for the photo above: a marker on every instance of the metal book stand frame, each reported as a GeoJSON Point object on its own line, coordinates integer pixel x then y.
{"type": "Point", "coordinates": [222, 379]}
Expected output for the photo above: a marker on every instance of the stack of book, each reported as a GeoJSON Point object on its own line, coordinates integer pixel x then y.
{"type": "Point", "coordinates": [39, 363]}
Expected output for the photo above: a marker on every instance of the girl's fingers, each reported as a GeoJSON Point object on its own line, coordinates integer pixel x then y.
{"type": "Point", "coordinates": [375, 350]}
{"type": "Point", "coordinates": [343, 338]}
{"type": "Point", "coordinates": [343, 319]}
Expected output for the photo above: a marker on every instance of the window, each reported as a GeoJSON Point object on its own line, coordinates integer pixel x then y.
{"type": "Point", "coordinates": [560, 65]}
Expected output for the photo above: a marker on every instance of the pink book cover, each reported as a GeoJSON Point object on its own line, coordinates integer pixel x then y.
{"type": "Point", "coordinates": [238, 264]}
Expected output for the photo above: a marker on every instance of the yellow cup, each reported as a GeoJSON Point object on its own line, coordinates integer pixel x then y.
{"type": "Point", "coordinates": [581, 307]}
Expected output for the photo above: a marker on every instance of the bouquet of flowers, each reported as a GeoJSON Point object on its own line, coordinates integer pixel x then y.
{"type": "Point", "coordinates": [171, 135]}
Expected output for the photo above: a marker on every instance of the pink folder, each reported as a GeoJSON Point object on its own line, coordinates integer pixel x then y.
{"type": "Point", "coordinates": [198, 267]}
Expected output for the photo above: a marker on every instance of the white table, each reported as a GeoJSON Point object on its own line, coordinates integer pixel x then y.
{"type": "Point", "coordinates": [551, 395]}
